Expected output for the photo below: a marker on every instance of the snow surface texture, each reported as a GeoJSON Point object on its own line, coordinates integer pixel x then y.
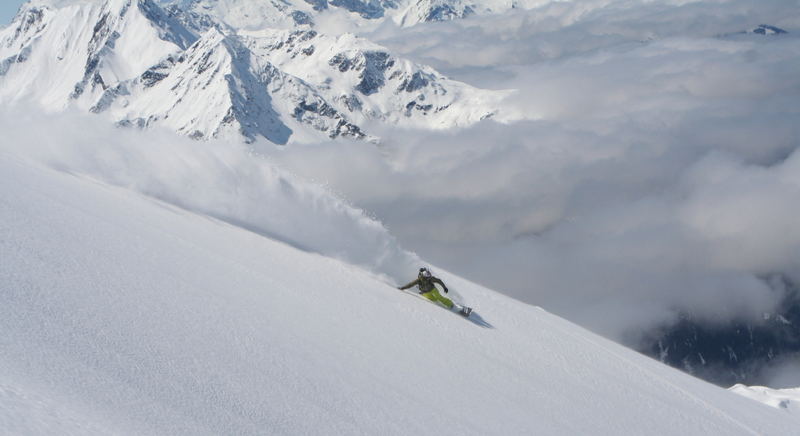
{"type": "Point", "coordinates": [785, 399]}
{"type": "Point", "coordinates": [124, 314]}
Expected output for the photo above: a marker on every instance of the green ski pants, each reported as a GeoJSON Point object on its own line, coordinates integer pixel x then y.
{"type": "Point", "coordinates": [435, 296]}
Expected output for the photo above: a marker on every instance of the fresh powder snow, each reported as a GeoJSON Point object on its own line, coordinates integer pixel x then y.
{"type": "Point", "coordinates": [785, 399]}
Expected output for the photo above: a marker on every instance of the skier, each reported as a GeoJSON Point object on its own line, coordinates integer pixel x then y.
{"type": "Point", "coordinates": [426, 283]}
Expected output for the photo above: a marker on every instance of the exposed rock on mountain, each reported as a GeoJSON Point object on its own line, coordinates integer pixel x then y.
{"type": "Point", "coordinates": [143, 66]}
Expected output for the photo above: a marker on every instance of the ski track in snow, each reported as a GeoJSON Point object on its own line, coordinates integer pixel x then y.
{"type": "Point", "coordinates": [124, 313]}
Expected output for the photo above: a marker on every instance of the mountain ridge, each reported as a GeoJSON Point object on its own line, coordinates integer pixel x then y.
{"type": "Point", "coordinates": [297, 85]}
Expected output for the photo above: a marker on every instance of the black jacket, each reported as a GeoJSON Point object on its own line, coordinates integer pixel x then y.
{"type": "Point", "coordinates": [425, 284]}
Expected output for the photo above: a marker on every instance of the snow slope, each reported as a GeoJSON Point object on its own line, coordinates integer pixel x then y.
{"type": "Point", "coordinates": [123, 314]}
{"type": "Point", "coordinates": [786, 399]}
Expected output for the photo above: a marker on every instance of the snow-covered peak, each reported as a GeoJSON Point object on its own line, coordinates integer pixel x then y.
{"type": "Point", "coordinates": [144, 66]}
{"type": "Point", "coordinates": [218, 89]}
{"type": "Point", "coordinates": [240, 14]}
{"type": "Point", "coordinates": [368, 83]}
{"type": "Point", "coordinates": [425, 11]}
{"type": "Point", "coordinates": [258, 14]}
{"type": "Point", "coordinates": [69, 51]}
{"type": "Point", "coordinates": [65, 3]}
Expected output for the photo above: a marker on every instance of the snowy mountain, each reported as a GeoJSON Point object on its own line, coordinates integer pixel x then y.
{"type": "Point", "coordinates": [58, 52]}
{"type": "Point", "coordinates": [366, 82]}
{"type": "Point", "coordinates": [254, 14]}
{"type": "Point", "coordinates": [125, 314]}
{"type": "Point", "coordinates": [142, 66]}
{"type": "Point", "coordinates": [215, 90]}
{"type": "Point", "coordinates": [766, 29]}
{"type": "Point", "coordinates": [735, 353]}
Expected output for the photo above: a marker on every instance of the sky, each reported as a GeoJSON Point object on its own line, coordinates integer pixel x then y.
{"type": "Point", "coordinates": [7, 10]}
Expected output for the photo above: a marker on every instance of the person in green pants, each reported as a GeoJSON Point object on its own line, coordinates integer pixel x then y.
{"type": "Point", "coordinates": [426, 283]}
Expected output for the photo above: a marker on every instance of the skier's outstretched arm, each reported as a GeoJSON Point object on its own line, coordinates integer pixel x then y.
{"type": "Point", "coordinates": [414, 283]}
{"type": "Point", "coordinates": [439, 281]}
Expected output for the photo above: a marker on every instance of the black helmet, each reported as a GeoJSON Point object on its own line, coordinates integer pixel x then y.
{"type": "Point", "coordinates": [424, 272]}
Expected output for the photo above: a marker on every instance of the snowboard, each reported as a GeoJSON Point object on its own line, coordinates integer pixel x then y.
{"type": "Point", "coordinates": [465, 311]}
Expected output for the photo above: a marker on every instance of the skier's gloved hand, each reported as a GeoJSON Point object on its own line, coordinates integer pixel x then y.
{"type": "Point", "coordinates": [445, 290]}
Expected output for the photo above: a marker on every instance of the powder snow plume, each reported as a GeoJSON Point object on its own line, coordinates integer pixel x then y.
{"type": "Point", "coordinates": [224, 181]}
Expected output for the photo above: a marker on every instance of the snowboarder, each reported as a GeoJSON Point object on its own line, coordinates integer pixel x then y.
{"type": "Point", "coordinates": [426, 283]}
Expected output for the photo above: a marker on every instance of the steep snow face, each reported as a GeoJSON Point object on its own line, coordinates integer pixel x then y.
{"type": "Point", "coordinates": [367, 83]}
{"type": "Point", "coordinates": [216, 89]}
{"type": "Point", "coordinates": [241, 14]}
{"type": "Point", "coordinates": [142, 67]}
{"type": "Point", "coordinates": [125, 315]}
{"type": "Point", "coordinates": [58, 52]}
{"type": "Point", "coordinates": [425, 11]}
{"type": "Point", "coordinates": [434, 10]}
